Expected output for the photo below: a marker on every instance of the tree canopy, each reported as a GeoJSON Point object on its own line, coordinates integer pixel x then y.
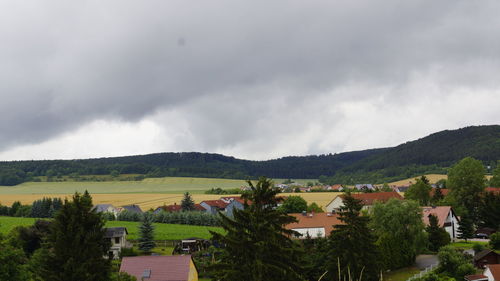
{"type": "Point", "coordinates": [420, 191]}
{"type": "Point", "coordinates": [257, 246]}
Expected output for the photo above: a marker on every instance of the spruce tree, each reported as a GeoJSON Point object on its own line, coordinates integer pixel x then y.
{"type": "Point", "coordinates": [187, 203]}
{"type": "Point", "coordinates": [466, 227]}
{"type": "Point", "coordinates": [438, 237]}
{"type": "Point", "coordinates": [257, 246]}
{"type": "Point", "coordinates": [353, 252]}
{"type": "Point", "coordinates": [438, 195]}
{"type": "Point", "coordinates": [146, 233]}
{"type": "Point", "coordinates": [76, 248]}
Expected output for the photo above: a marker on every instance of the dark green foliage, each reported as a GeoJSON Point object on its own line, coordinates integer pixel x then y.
{"type": "Point", "coordinates": [466, 227]}
{"type": "Point", "coordinates": [467, 181]}
{"type": "Point", "coordinates": [293, 204]}
{"type": "Point", "coordinates": [400, 231]}
{"type": "Point", "coordinates": [432, 154]}
{"type": "Point", "coordinates": [190, 218]}
{"type": "Point", "coordinates": [454, 263]}
{"type": "Point", "coordinates": [146, 233]}
{"type": "Point", "coordinates": [314, 258]}
{"type": "Point", "coordinates": [257, 246]}
{"type": "Point", "coordinates": [76, 246]}
{"type": "Point", "coordinates": [221, 191]}
{"type": "Point", "coordinates": [30, 237]}
{"type": "Point", "coordinates": [187, 203]}
{"type": "Point", "coordinates": [313, 207]}
{"type": "Point", "coordinates": [495, 241]}
{"type": "Point", "coordinates": [478, 247]}
{"type": "Point", "coordinates": [352, 245]}
{"type": "Point", "coordinates": [419, 191]}
{"type": "Point", "coordinates": [437, 196]}
{"type": "Point", "coordinates": [45, 208]}
{"type": "Point", "coordinates": [122, 276]}
{"type": "Point", "coordinates": [489, 210]}
{"type": "Point", "coordinates": [438, 237]}
{"type": "Point", "coordinates": [13, 263]}
{"type": "Point", "coordinates": [495, 180]}
{"type": "Point", "coordinates": [127, 215]}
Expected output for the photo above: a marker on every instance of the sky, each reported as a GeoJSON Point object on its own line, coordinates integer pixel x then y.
{"type": "Point", "coordinates": [250, 79]}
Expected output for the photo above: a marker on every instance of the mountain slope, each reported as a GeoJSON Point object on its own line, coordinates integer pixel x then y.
{"type": "Point", "coordinates": [429, 154]}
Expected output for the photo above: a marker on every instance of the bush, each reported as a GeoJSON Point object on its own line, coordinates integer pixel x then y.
{"type": "Point", "coordinates": [495, 241]}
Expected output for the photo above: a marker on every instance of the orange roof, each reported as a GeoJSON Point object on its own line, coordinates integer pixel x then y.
{"type": "Point", "coordinates": [444, 191]}
{"type": "Point", "coordinates": [441, 212]}
{"type": "Point", "coordinates": [495, 270]}
{"type": "Point", "coordinates": [370, 198]}
{"type": "Point", "coordinates": [326, 220]}
{"type": "Point", "coordinates": [215, 203]}
{"type": "Point", "coordinates": [492, 189]}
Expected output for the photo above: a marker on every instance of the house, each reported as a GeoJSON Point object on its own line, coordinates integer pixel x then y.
{"type": "Point", "coordinates": [446, 218]}
{"type": "Point", "coordinates": [238, 204]}
{"type": "Point", "coordinates": [486, 257]}
{"type": "Point", "coordinates": [213, 206]}
{"type": "Point", "coordinates": [335, 187]}
{"type": "Point", "coordinates": [476, 277]}
{"type": "Point", "coordinates": [444, 191]}
{"type": "Point", "coordinates": [106, 208]}
{"type": "Point", "coordinates": [160, 268]}
{"type": "Point", "coordinates": [367, 199]}
{"type": "Point", "coordinates": [117, 236]}
{"type": "Point", "coordinates": [492, 272]}
{"type": "Point", "coordinates": [131, 208]}
{"type": "Point", "coordinates": [401, 188]}
{"type": "Point", "coordinates": [364, 186]}
{"type": "Point", "coordinates": [492, 189]}
{"type": "Point", "coordinates": [314, 224]}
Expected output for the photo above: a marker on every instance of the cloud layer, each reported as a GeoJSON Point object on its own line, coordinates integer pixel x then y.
{"type": "Point", "coordinates": [254, 79]}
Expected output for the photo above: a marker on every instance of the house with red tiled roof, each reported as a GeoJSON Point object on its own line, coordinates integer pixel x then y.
{"type": "Point", "coordinates": [492, 189]}
{"type": "Point", "coordinates": [446, 218]}
{"type": "Point", "coordinates": [485, 257]}
{"type": "Point", "coordinates": [214, 206]}
{"type": "Point", "coordinates": [444, 191]}
{"type": "Point", "coordinates": [160, 268]}
{"type": "Point", "coordinates": [367, 199]}
{"type": "Point", "coordinates": [492, 272]}
{"type": "Point", "coordinates": [335, 187]}
{"type": "Point", "coordinates": [314, 224]}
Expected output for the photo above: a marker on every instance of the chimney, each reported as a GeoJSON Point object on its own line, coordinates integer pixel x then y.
{"type": "Point", "coordinates": [304, 213]}
{"type": "Point", "coordinates": [328, 214]}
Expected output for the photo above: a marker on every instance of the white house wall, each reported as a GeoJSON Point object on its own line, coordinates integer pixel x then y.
{"type": "Point", "coordinates": [314, 232]}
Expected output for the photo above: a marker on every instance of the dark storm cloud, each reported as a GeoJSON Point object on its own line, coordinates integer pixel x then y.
{"type": "Point", "coordinates": [265, 66]}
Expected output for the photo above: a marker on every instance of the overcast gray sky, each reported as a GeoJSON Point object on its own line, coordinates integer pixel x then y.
{"type": "Point", "coordinates": [252, 79]}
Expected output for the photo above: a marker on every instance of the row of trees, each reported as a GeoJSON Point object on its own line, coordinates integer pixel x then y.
{"type": "Point", "coordinates": [190, 217]}
{"type": "Point", "coordinates": [42, 208]}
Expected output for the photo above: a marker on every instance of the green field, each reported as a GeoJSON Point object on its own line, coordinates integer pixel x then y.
{"type": "Point", "coordinates": [149, 185]}
{"type": "Point", "coordinates": [162, 231]}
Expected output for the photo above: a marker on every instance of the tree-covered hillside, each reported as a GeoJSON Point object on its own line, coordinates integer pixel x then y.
{"type": "Point", "coordinates": [433, 153]}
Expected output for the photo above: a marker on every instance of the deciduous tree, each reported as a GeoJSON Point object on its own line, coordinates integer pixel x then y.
{"type": "Point", "coordinates": [420, 191]}
{"type": "Point", "coordinates": [293, 204]}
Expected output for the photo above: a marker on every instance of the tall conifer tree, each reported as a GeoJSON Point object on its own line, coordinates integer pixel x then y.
{"type": "Point", "coordinates": [257, 246]}
{"type": "Point", "coordinates": [353, 252]}
{"type": "Point", "coordinates": [146, 233]}
{"type": "Point", "coordinates": [76, 248]}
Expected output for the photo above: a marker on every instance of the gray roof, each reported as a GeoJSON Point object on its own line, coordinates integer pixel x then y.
{"type": "Point", "coordinates": [132, 208]}
{"type": "Point", "coordinates": [102, 207]}
{"type": "Point", "coordinates": [115, 232]}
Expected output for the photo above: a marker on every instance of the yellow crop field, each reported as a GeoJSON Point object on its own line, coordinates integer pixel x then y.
{"type": "Point", "coordinates": [433, 178]}
{"type": "Point", "coordinates": [153, 200]}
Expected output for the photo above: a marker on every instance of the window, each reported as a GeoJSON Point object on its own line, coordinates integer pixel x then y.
{"type": "Point", "coordinates": [117, 240]}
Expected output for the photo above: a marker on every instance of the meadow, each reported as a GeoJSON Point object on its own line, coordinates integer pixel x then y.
{"type": "Point", "coordinates": [165, 185]}
{"type": "Point", "coordinates": [162, 231]}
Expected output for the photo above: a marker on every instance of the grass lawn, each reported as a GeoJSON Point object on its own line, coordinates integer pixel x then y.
{"type": "Point", "coordinates": [162, 231]}
{"type": "Point", "coordinates": [468, 245]}
{"type": "Point", "coordinates": [401, 274]}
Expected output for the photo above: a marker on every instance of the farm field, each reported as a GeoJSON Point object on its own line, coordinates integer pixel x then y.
{"type": "Point", "coordinates": [162, 231]}
{"type": "Point", "coordinates": [153, 200]}
{"type": "Point", "coordinates": [148, 185]}
{"type": "Point", "coordinates": [433, 178]}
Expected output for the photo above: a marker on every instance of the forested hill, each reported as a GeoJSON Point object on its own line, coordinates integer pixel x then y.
{"type": "Point", "coordinates": [430, 154]}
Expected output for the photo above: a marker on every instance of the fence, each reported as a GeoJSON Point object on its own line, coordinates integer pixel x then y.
{"type": "Point", "coordinates": [423, 272]}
